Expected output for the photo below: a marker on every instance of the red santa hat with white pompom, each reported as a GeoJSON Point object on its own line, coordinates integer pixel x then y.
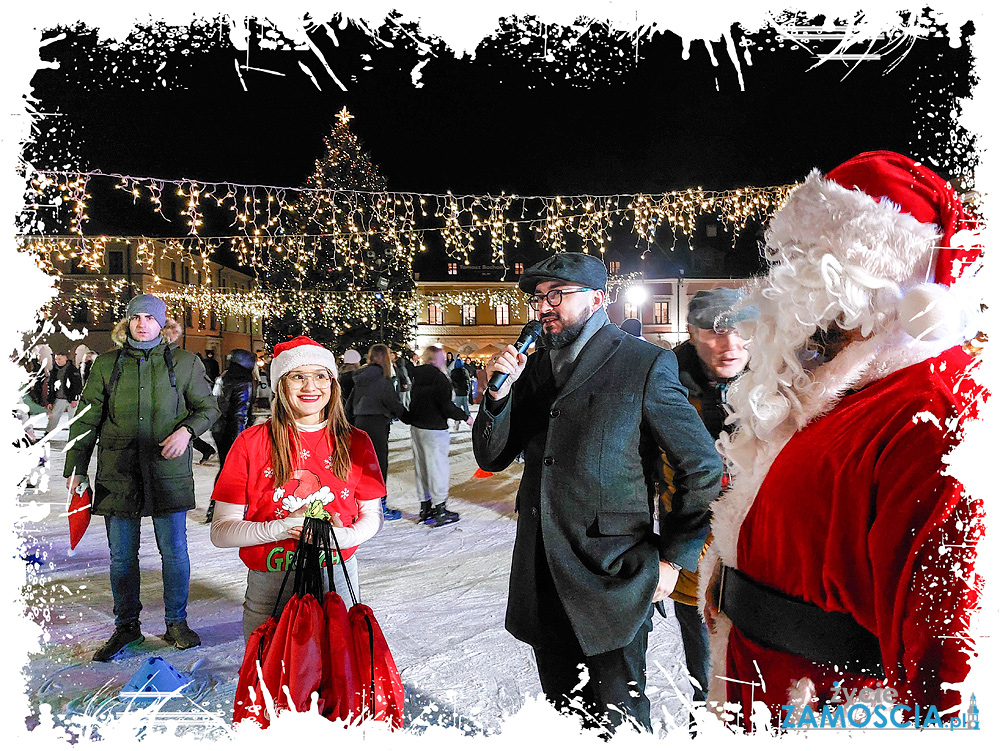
{"type": "Point", "coordinates": [922, 205]}
{"type": "Point", "coordinates": [298, 352]}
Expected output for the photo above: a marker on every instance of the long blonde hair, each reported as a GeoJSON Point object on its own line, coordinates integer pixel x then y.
{"type": "Point", "coordinates": [285, 436]}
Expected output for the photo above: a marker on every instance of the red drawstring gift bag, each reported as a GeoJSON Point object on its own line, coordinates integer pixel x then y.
{"type": "Point", "coordinates": [249, 700]}
{"type": "Point", "coordinates": [79, 512]}
{"type": "Point", "coordinates": [293, 666]}
{"type": "Point", "coordinates": [341, 679]}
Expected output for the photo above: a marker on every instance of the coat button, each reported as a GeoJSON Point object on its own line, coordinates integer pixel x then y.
{"type": "Point", "coordinates": [554, 413]}
{"type": "Point", "coordinates": [548, 461]}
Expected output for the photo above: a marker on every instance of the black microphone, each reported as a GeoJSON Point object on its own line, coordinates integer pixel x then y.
{"type": "Point", "coordinates": [529, 334]}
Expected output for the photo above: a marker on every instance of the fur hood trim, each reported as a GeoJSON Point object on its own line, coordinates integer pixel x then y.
{"type": "Point", "coordinates": [170, 332]}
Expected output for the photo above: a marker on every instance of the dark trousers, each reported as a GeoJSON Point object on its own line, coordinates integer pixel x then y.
{"type": "Point", "coordinates": [694, 634]}
{"type": "Point", "coordinates": [616, 678]}
{"type": "Point", "coordinates": [377, 428]}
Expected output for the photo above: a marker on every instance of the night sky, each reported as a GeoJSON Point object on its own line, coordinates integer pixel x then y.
{"type": "Point", "coordinates": [507, 120]}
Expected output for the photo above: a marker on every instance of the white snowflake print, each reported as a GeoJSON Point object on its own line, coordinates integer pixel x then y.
{"type": "Point", "coordinates": [268, 472]}
{"type": "Point", "coordinates": [304, 454]}
{"type": "Point", "coordinates": [344, 493]}
{"type": "Point", "coordinates": [328, 463]}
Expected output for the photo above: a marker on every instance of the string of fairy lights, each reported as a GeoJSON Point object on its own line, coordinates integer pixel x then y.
{"type": "Point", "coordinates": [109, 295]}
{"type": "Point", "coordinates": [273, 226]}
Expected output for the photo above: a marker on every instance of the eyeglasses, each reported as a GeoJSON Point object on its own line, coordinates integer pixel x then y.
{"type": "Point", "coordinates": [298, 380]}
{"type": "Point", "coordinates": [554, 297]}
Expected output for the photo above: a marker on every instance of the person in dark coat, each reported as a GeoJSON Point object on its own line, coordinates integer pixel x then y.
{"type": "Point", "coordinates": [708, 364]}
{"type": "Point", "coordinates": [591, 409]}
{"type": "Point", "coordinates": [211, 365]}
{"type": "Point", "coordinates": [143, 402]}
{"type": "Point", "coordinates": [460, 385]}
{"type": "Point", "coordinates": [372, 406]}
{"type": "Point", "coordinates": [236, 401]}
{"type": "Point", "coordinates": [63, 390]}
{"type": "Point", "coordinates": [430, 409]}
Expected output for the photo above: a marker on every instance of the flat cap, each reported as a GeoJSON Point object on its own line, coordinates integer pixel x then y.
{"type": "Point", "coordinates": [575, 268]}
{"type": "Point", "coordinates": [713, 309]}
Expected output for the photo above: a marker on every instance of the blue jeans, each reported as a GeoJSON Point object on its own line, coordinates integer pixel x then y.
{"type": "Point", "coordinates": [171, 539]}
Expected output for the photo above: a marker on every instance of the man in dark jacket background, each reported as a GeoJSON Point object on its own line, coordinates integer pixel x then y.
{"type": "Point", "coordinates": [591, 409]}
{"type": "Point", "coordinates": [713, 357]}
{"type": "Point", "coordinates": [144, 402]}
{"type": "Point", "coordinates": [63, 392]}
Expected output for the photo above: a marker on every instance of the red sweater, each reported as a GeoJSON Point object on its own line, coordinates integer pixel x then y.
{"type": "Point", "coordinates": [247, 480]}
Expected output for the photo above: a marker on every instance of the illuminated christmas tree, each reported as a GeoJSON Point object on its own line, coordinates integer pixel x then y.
{"type": "Point", "coordinates": [338, 247]}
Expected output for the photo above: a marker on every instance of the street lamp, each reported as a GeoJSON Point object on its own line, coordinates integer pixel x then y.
{"type": "Point", "coordinates": [636, 295]}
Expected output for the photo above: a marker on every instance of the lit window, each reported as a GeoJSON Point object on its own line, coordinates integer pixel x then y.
{"type": "Point", "coordinates": [503, 314]}
{"type": "Point", "coordinates": [518, 268]}
{"type": "Point", "coordinates": [614, 266]}
{"type": "Point", "coordinates": [435, 314]}
{"type": "Point", "coordinates": [468, 315]}
{"type": "Point", "coordinates": [631, 310]}
{"type": "Point", "coordinates": [452, 268]}
{"type": "Point", "coordinates": [661, 311]}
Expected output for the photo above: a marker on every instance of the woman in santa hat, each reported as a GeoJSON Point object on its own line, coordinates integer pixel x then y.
{"type": "Point", "coordinates": [306, 451]}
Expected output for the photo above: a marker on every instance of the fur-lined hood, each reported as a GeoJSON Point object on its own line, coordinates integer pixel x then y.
{"type": "Point", "coordinates": [170, 332]}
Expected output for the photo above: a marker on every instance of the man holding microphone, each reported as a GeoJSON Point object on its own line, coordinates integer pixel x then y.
{"type": "Point", "coordinates": [591, 410]}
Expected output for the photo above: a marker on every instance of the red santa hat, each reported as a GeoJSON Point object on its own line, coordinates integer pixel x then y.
{"type": "Point", "coordinates": [298, 352]}
{"type": "Point", "coordinates": [883, 215]}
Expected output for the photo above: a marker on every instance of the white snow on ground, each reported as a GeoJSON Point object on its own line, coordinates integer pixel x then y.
{"type": "Point", "coordinates": [439, 595]}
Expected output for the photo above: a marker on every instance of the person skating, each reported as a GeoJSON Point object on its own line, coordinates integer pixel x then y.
{"type": "Point", "coordinates": [430, 409]}
{"type": "Point", "coordinates": [372, 406]}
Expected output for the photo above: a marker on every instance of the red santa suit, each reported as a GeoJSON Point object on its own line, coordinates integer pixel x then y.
{"type": "Point", "coordinates": [841, 496]}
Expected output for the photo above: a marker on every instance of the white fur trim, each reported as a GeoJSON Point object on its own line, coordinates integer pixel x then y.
{"type": "Point", "coordinates": [856, 230]}
{"type": "Point", "coordinates": [304, 354]}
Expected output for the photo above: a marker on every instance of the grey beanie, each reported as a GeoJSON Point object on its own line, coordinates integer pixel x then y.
{"type": "Point", "coordinates": [713, 309]}
{"type": "Point", "coordinates": [150, 304]}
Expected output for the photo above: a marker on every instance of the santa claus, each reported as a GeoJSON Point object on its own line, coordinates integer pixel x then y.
{"type": "Point", "coordinates": [843, 553]}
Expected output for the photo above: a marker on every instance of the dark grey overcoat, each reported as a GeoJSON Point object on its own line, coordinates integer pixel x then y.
{"type": "Point", "coordinates": [591, 458]}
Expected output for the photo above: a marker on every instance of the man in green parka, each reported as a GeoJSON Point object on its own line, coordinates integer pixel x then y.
{"type": "Point", "coordinates": [141, 406]}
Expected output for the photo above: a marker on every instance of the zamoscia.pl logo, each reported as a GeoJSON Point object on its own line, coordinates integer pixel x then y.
{"type": "Point", "coordinates": [875, 708]}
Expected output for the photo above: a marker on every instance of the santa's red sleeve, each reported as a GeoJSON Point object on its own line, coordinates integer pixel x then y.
{"type": "Point", "coordinates": [370, 483]}
{"type": "Point", "coordinates": [232, 485]}
{"type": "Point", "coordinates": [922, 549]}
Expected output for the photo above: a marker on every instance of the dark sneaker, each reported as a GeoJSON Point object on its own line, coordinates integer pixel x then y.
{"type": "Point", "coordinates": [425, 511]}
{"type": "Point", "coordinates": [390, 514]}
{"type": "Point", "coordinates": [207, 455]}
{"type": "Point", "coordinates": [441, 516]}
{"type": "Point", "coordinates": [126, 635]}
{"type": "Point", "coordinates": [181, 636]}
{"type": "Point", "coordinates": [210, 513]}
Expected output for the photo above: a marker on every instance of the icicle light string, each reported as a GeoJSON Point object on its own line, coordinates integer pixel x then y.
{"type": "Point", "coordinates": [274, 223]}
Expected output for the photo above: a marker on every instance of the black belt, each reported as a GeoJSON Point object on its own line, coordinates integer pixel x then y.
{"type": "Point", "coordinates": [787, 624]}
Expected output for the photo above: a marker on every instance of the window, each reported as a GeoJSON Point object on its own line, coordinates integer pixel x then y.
{"type": "Point", "coordinates": [518, 268]}
{"type": "Point", "coordinates": [468, 315]}
{"type": "Point", "coordinates": [116, 262]}
{"type": "Point", "coordinates": [614, 266]}
{"type": "Point", "coordinates": [188, 317]}
{"type": "Point", "coordinates": [452, 268]}
{"type": "Point", "coordinates": [76, 267]}
{"type": "Point", "coordinates": [81, 313]}
{"type": "Point", "coordinates": [173, 271]}
{"type": "Point", "coordinates": [215, 321]}
{"type": "Point", "coordinates": [661, 311]}
{"type": "Point", "coordinates": [185, 275]}
{"type": "Point", "coordinates": [435, 314]}
{"type": "Point", "coordinates": [631, 310]}
{"type": "Point", "coordinates": [711, 230]}
{"type": "Point", "coordinates": [502, 311]}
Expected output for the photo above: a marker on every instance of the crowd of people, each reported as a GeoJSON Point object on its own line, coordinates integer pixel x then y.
{"type": "Point", "coordinates": [825, 562]}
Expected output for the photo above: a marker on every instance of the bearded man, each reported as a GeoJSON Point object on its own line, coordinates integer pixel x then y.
{"type": "Point", "coordinates": [591, 409]}
{"type": "Point", "coordinates": [843, 553]}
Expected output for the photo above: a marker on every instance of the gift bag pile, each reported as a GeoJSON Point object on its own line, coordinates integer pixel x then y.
{"type": "Point", "coordinates": [318, 645]}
